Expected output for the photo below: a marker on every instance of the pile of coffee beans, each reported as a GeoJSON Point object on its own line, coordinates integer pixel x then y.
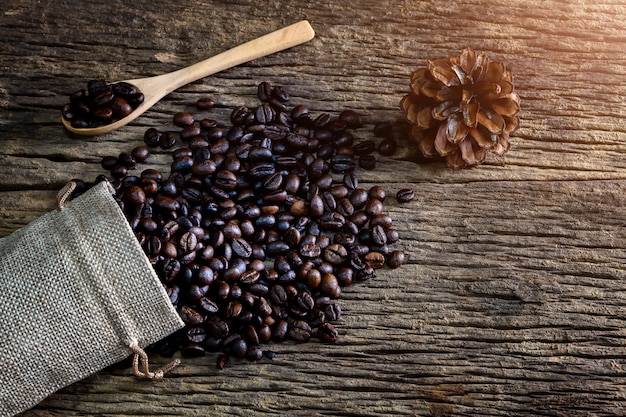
{"type": "Point", "coordinates": [101, 103]}
{"type": "Point", "coordinates": [258, 226]}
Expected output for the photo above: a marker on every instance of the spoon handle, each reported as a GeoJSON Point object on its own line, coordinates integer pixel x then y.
{"type": "Point", "coordinates": [276, 41]}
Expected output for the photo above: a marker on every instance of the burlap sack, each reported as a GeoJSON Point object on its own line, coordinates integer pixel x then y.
{"type": "Point", "coordinates": [77, 294]}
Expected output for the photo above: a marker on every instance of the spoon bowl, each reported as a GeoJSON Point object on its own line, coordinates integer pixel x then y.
{"type": "Point", "coordinates": [155, 88]}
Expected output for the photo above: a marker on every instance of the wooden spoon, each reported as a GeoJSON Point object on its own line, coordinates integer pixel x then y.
{"type": "Point", "coordinates": [155, 88]}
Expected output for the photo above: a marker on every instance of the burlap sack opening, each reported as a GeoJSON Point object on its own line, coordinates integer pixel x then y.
{"type": "Point", "coordinates": [77, 294]}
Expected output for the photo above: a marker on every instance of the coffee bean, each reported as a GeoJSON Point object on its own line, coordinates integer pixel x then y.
{"type": "Point", "coordinates": [405, 195]}
{"type": "Point", "coordinates": [383, 129]}
{"type": "Point", "coordinates": [217, 327]}
{"type": "Point", "coordinates": [365, 147]}
{"type": "Point", "coordinates": [183, 119]}
{"type": "Point", "coordinates": [335, 254]}
{"type": "Point", "coordinates": [188, 242]}
{"type": "Point", "coordinates": [387, 147]}
{"type": "Point", "coordinates": [330, 286]}
{"type": "Point", "coordinates": [190, 316]}
{"type": "Point", "coordinates": [367, 162]}
{"type": "Point", "coordinates": [332, 312]}
{"type": "Point", "coordinates": [396, 259]}
{"type": "Point", "coordinates": [351, 118]}
{"type": "Point", "coordinates": [327, 333]}
{"type": "Point", "coordinates": [299, 331]}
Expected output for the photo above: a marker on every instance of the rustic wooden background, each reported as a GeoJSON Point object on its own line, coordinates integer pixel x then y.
{"type": "Point", "coordinates": [513, 301]}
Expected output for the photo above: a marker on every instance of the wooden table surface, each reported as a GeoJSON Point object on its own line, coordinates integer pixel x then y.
{"type": "Point", "coordinates": [513, 301]}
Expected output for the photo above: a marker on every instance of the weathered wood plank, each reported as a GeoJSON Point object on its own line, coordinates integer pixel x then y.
{"type": "Point", "coordinates": [513, 299]}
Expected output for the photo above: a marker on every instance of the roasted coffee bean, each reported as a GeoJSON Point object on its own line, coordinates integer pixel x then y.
{"type": "Point", "coordinates": [192, 350]}
{"type": "Point", "coordinates": [182, 165]}
{"type": "Point", "coordinates": [277, 294]}
{"type": "Point", "coordinates": [374, 207]}
{"type": "Point", "coordinates": [233, 309]}
{"type": "Point", "coordinates": [345, 207]}
{"type": "Point", "coordinates": [342, 163]}
{"type": "Point", "coordinates": [299, 331]}
{"type": "Point", "coordinates": [108, 162]}
{"type": "Point", "coordinates": [335, 254]}
{"type": "Point", "coordinates": [358, 198]}
{"type": "Point", "coordinates": [344, 275]}
{"type": "Point", "coordinates": [249, 277]}
{"type": "Point", "coordinates": [375, 259]}
{"type": "Point", "coordinates": [140, 153]}
{"type": "Point", "coordinates": [332, 221]}
{"type": "Point", "coordinates": [332, 312]}
{"type": "Point", "coordinates": [134, 195]}
{"type": "Point", "coordinates": [261, 170]}
{"type": "Point", "coordinates": [292, 236]}
{"type": "Point", "coordinates": [365, 147]}
{"type": "Point", "coordinates": [345, 239]}
{"type": "Point", "coordinates": [196, 334]}
{"type": "Point", "coordinates": [194, 143]}
{"type": "Point", "coordinates": [392, 235]}
{"type": "Point", "coordinates": [274, 197]}
{"type": "Point", "coordinates": [241, 248]}
{"type": "Point", "coordinates": [152, 137]}
{"type": "Point", "coordinates": [330, 286]}
{"type": "Point", "coordinates": [405, 195]}
{"type": "Point", "coordinates": [279, 330]}
{"type": "Point", "coordinates": [217, 327]}
{"type": "Point", "coordinates": [265, 114]}
{"type": "Point", "coordinates": [120, 107]}
{"type": "Point", "coordinates": [387, 147]}
{"type": "Point", "coordinates": [189, 132]}
{"type": "Point", "coordinates": [396, 259]}
{"type": "Point", "coordinates": [264, 91]}
{"type": "Point", "coordinates": [239, 115]}
{"type": "Point", "coordinates": [343, 143]}
{"type": "Point", "coordinates": [330, 204]}
{"type": "Point", "coordinates": [327, 333]}
{"type": "Point", "coordinates": [226, 180]}
{"type": "Point", "coordinates": [352, 119]}
{"type": "Point", "coordinates": [313, 279]}
{"type": "Point", "coordinates": [277, 247]}
{"type": "Point", "coordinates": [367, 162]}
{"type": "Point", "coordinates": [205, 103]}
{"type": "Point", "coordinates": [171, 268]}
{"type": "Point", "coordinates": [379, 236]}
{"type": "Point", "coordinates": [310, 250]}
{"type": "Point", "coordinates": [183, 119]}
{"type": "Point", "coordinates": [124, 89]}
{"type": "Point", "coordinates": [381, 219]}
{"type": "Point", "coordinates": [196, 292]}
{"type": "Point", "coordinates": [383, 129]}
{"type": "Point", "coordinates": [190, 316]}
{"type": "Point", "coordinates": [377, 192]}
{"type": "Point", "coordinates": [263, 307]}
{"type": "Point", "coordinates": [280, 94]}
{"type": "Point", "coordinates": [305, 301]}
{"type": "Point", "coordinates": [188, 242]}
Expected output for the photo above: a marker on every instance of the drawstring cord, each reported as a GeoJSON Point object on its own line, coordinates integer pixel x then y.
{"type": "Point", "coordinates": [141, 358]}
{"type": "Point", "coordinates": [65, 193]}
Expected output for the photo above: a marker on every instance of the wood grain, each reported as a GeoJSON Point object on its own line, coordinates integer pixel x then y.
{"type": "Point", "coordinates": [513, 300]}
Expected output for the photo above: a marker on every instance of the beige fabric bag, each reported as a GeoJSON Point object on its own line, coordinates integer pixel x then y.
{"type": "Point", "coordinates": [77, 294]}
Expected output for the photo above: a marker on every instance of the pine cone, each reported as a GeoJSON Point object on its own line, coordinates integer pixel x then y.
{"type": "Point", "coordinates": [461, 108]}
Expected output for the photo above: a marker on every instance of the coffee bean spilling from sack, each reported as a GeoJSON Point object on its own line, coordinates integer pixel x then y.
{"type": "Point", "coordinates": [258, 227]}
